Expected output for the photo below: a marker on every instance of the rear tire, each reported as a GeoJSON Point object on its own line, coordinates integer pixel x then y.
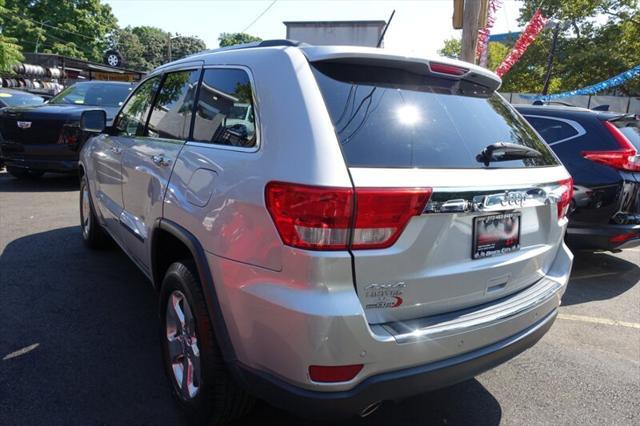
{"type": "Point", "coordinates": [20, 173]}
{"type": "Point", "coordinates": [93, 235]}
{"type": "Point", "coordinates": [211, 396]}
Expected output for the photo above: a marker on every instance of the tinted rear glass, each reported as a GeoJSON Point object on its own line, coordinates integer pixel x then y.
{"type": "Point", "coordinates": [387, 117]}
{"type": "Point", "coordinates": [631, 129]}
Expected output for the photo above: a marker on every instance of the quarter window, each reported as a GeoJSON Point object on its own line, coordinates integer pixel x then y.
{"type": "Point", "coordinates": [552, 130]}
{"type": "Point", "coordinates": [171, 114]}
{"type": "Point", "coordinates": [132, 119]}
{"type": "Point", "coordinates": [225, 109]}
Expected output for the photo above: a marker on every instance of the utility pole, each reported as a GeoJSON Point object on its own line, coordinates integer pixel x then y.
{"type": "Point", "coordinates": [552, 53]}
{"type": "Point", "coordinates": [169, 47]}
{"type": "Point", "coordinates": [470, 27]}
{"type": "Point", "coordinates": [38, 38]}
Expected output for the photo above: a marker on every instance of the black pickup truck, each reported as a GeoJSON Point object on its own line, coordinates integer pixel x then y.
{"type": "Point", "coordinates": [47, 138]}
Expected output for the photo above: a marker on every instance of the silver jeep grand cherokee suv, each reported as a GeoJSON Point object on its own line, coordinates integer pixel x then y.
{"type": "Point", "coordinates": [329, 227]}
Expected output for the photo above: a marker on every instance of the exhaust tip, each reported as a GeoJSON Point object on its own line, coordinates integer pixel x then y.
{"type": "Point", "coordinates": [370, 409]}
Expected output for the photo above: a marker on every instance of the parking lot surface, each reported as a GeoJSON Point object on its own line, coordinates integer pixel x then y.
{"type": "Point", "coordinates": [79, 342]}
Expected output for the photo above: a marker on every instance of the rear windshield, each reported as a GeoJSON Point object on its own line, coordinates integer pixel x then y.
{"type": "Point", "coordinates": [631, 129]}
{"type": "Point", "coordinates": [387, 117]}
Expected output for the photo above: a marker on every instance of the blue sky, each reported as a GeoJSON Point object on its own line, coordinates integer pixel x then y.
{"type": "Point", "coordinates": [418, 26]}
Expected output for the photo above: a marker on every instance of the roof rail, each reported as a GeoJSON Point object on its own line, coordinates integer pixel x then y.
{"type": "Point", "coordinates": [263, 43]}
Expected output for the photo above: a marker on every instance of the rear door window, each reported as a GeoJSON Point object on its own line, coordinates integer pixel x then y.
{"type": "Point", "coordinates": [225, 109]}
{"type": "Point", "coordinates": [387, 117]}
{"type": "Point", "coordinates": [171, 113]}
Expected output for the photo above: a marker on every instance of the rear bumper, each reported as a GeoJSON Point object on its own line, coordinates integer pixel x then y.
{"type": "Point", "coordinates": [392, 385]}
{"type": "Point", "coordinates": [608, 237]}
{"type": "Point", "coordinates": [291, 328]}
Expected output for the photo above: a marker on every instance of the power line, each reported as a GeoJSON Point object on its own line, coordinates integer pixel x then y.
{"type": "Point", "coordinates": [259, 16]}
{"type": "Point", "coordinates": [53, 26]}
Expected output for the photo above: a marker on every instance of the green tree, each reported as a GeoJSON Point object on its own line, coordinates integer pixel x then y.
{"type": "Point", "coordinates": [71, 27]}
{"type": "Point", "coordinates": [132, 51]}
{"type": "Point", "coordinates": [589, 50]}
{"type": "Point", "coordinates": [497, 52]}
{"type": "Point", "coordinates": [184, 46]}
{"type": "Point", "coordinates": [231, 39]}
{"type": "Point", "coordinates": [10, 51]}
{"type": "Point", "coordinates": [154, 41]}
{"type": "Point", "coordinates": [145, 48]}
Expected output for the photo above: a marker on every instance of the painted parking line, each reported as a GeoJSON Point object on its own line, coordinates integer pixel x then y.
{"type": "Point", "coordinates": [605, 321]}
{"type": "Point", "coordinates": [22, 351]}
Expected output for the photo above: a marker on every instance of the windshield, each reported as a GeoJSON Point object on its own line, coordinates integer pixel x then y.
{"type": "Point", "coordinates": [19, 99]}
{"type": "Point", "coordinates": [388, 117]}
{"type": "Point", "coordinates": [93, 94]}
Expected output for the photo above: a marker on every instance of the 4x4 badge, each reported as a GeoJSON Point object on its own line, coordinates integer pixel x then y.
{"type": "Point", "coordinates": [24, 124]}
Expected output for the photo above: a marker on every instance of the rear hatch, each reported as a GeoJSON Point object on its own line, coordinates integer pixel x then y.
{"type": "Point", "coordinates": [474, 231]}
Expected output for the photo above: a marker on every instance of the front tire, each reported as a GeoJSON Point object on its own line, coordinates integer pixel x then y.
{"type": "Point", "coordinates": [206, 393]}
{"type": "Point", "coordinates": [92, 233]}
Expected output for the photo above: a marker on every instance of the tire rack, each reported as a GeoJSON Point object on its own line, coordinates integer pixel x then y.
{"type": "Point", "coordinates": [35, 79]}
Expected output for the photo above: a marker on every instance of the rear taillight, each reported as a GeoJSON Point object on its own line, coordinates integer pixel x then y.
{"type": "Point", "coordinates": [324, 218]}
{"type": "Point", "coordinates": [626, 158]}
{"type": "Point", "coordinates": [382, 214]}
{"type": "Point", "coordinates": [564, 200]}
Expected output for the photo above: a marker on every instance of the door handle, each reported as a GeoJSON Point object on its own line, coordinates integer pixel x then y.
{"type": "Point", "coordinates": [116, 149]}
{"type": "Point", "coordinates": [160, 160]}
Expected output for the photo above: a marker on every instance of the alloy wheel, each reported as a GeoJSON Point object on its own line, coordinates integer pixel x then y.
{"type": "Point", "coordinates": [182, 344]}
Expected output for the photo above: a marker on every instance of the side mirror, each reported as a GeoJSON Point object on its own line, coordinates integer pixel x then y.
{"type": "Point", "coordinates": [93, 121]}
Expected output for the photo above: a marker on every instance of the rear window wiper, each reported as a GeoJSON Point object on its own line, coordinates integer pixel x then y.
{"type": "Point", "coordinates": [504, 151]}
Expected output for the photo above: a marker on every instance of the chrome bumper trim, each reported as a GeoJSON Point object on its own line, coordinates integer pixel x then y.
{"type": "Point", "coordinates": [544, 296]}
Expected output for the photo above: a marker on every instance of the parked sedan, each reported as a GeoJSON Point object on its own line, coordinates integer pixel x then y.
{"type": "Point", "coordinates": [43, 138]}
{"type": "Point", "coordinates": [600, 150]}
{"type": "Point", "coordinates": [10, 98]}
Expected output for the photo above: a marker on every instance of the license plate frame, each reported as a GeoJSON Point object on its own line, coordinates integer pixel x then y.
{"type": "Point", "coordinates": [489, 240]}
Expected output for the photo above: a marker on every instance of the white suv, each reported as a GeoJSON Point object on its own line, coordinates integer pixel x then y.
{"type": "Point", "coordinates": [373, 227]}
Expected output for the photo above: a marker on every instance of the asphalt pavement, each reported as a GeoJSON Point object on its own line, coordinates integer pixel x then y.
{"type": "Point", "coordinates": [79, 342]}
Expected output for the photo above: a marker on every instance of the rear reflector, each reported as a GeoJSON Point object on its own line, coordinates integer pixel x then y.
{"type": "Point", "coordinates": [565, 197]}
{"type": "Point", "coordinates": [622, 238]}
{"type": "Point", "coordinates": [626, 158]}
{"type": "Point", "coordinates": [324, 218]}
{"type": "Point", "coordinates": [447, 69]}
{"type": "Point", "coordinates": [332, 374]}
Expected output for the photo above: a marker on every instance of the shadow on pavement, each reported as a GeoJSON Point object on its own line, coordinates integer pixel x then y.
{"type": "Point", "coordinates": [465, 403]}
{"type": "Point", "coordinates": [93, 316]}
{"type": "Point", "coordinates": [599, 276]}
{"type": "Point", "coordinates": [49, 182]}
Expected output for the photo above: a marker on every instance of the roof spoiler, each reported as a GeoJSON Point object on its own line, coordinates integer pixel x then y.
{"type": "Point", "coordinates": [441, 67]}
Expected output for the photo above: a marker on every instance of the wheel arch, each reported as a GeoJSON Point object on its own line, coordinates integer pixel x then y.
{"type": "Point", "coordinates": [184, 244]}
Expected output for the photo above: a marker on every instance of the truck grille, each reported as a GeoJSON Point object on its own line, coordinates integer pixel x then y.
{"type": "Point", "coordinates": [40, 131]}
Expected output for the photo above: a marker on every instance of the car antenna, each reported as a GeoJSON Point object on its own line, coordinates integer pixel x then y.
{"type": "Point", "coordinates": [386, 27]}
